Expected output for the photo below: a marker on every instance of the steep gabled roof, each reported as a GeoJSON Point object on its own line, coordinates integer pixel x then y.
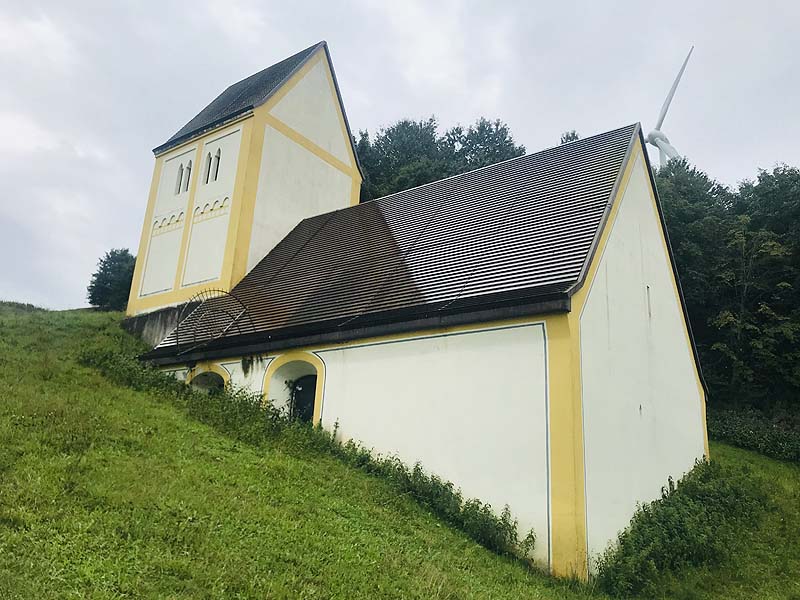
{"type": "Point", "coordinates": [249, 93]}
{"type": "Point", "coordinates": [516, 235]}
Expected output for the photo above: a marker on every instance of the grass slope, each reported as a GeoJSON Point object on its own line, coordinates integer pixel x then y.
{"type": "Point", "coordinates": [110, 493]}
{"type": "Point", "coordinates": [766, 561]}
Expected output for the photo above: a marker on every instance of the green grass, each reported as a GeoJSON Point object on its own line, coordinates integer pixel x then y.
{"type": "Point", "coordinates": [106, 492]}
{"type": "Point", "coordinates": [109, 493]}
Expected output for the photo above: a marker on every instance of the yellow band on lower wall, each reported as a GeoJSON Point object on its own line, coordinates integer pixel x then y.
{"type": "Point", "coordinates": [568, 552]}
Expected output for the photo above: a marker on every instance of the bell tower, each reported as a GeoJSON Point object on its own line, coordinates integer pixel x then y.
{"type": "Point", "coordinates": [270, 151]}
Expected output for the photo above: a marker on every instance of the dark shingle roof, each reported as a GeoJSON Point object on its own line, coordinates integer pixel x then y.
{"type": "Point", "coordinates": [520, 231]}
{"type": "Point", "coordinates": [241, 97]}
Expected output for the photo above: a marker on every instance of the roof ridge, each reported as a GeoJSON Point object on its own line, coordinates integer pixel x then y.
{"type": "Point", "coordinates": [507, 160]}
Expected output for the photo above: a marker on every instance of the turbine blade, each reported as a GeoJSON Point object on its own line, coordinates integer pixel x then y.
{"type": "Point", "coordinates": [665, 148]}
{"type": "Point", "coordinates": [667, 102]}
{"type": "Point", "coordinates": [662, 158]}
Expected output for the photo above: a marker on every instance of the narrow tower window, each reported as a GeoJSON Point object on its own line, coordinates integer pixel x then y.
{"type": "Point", "coordinates": [188, 176]}
{"type": "Point", "coordinates": [208, 167]}
{"type": "Point", "coordinates": [217, 157]}
{"type": "Point", "coordinates": [180, 179]}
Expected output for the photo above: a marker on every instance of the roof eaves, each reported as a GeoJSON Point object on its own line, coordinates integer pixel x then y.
{"type": "Point", "coordinates": [261, 343]}
{"type": "Point", "coordinates": [192, 135]}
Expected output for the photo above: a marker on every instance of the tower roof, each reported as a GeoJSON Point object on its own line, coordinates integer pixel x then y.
{"type": "Point", "coordinates": [246, 94]}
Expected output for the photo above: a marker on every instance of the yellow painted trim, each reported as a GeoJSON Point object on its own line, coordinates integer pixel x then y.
{"type": "Point", "coordinates": [569, 544]}
{"type": "Point", "coordinates": [144, 240]}
{"type": "Point", "coordinates": [355, 191]}
{"type": "Point", "coordinates": [306, 357]}
{"type": "Point", "coordinates": [306, 143]}
{"type": "Point", "coordinates": [208, 367]}
{"type": "Point", "coordinates": [251, 163]}
{"type": "Point", "coordinates": [236, 245]}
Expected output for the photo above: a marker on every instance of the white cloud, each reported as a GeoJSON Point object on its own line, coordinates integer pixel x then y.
{"type": "Point", "coordinates": [89, 88]}
{"type": "Point", "coordinates": [28, 136]}
{"type": "Point", "coordinates": [242, 21]}
{"type": "Point", "coordinates": [427, 41]}
{"type": "Point", "coordinates": [36, 41]}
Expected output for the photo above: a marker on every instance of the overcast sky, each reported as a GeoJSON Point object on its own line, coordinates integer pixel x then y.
{"type": "Point", "coordinates": [89, 88]}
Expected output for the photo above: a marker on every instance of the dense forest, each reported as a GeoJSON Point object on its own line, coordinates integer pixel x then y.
{"type": "Point", "coordinates": [738, 257]}
{"type": "Point", "coordinates": [737, 251]}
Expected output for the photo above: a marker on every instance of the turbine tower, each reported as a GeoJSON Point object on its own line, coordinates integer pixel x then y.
{"type": "Point", "coordinates": [656, 137]}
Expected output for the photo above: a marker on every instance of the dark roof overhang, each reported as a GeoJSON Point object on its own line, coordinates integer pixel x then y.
{"type": "Point", "coordinates": [406, 321]}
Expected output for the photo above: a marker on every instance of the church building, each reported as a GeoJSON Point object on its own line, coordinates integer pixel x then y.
{"type": "Point", "coordinates": [519, 329]}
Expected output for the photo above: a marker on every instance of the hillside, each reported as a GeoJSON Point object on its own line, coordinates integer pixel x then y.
{"type": "Point", "coordinates": [108, 492]}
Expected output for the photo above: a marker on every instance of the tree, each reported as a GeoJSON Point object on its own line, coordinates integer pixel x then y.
{"type": "Point", "coordinates": [111, 283]}
{"type": "Point", "coordinates": [738, 257]}
{"type": "Point", "coordinates": [411, 153]}
{"type": "Point", "coordinates": [569, 136]}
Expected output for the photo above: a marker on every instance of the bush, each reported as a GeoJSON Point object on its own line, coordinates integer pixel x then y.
{"type": "Point", "coordinates": [753, 430]}
{"type": "Point", "coordinates": [243, 415]}
{"type": "Point", "coordinates": [693, 524]}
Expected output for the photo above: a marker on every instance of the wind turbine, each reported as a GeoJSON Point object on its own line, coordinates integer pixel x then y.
{"type": "Point", "coordinates": [656, 137]}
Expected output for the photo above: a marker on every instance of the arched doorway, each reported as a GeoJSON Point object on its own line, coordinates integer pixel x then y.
{"type": "Point", "coordinates": [293, 384]}
{"type": "Point", "coordinates": [301, 400]}
{"type": "Point", "coordinates": [208, 382]}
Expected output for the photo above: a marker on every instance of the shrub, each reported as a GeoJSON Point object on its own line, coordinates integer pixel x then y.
{"type": "Point", "coordinates": [753, 430]}
{"type": "Point", "coordinates": [695, 523]}
{"type": "Point", "coordinates": [243, 415]}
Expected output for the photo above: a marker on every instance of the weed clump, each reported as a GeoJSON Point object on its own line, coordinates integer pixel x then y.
{"type": "Point", "coordinates": [695, 523]}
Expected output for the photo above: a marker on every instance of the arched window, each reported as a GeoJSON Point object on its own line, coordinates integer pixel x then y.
{"type": "Point", "coordinates": [188, 176]}
{"type": "Point", "coordinates": [180, 179]}
{"type": "Point", "coordinates": [217, 158]}
{"type": "Point", "coordinates": [208, 167]}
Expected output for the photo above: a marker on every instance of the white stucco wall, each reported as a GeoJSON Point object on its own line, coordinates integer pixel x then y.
{"type": "Point", "coordinates": [166, 226]}
{"type": "Point", "coordinates": [311, 109]}
{"type": "Point", "coordinates": [642, 409]}
{"type": "Point", "coordinates": [248, 375]}
{"type": "Point", "coordinates": [212, 208]}
{"type": "Point", "coordinates": [293, 184]}
{"type": "Point", "coordinates": [471, 407]}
